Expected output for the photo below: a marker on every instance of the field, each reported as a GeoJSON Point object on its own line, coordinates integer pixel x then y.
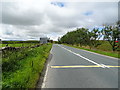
{"type": "Point", "coordinates": [21, 68]}
{"type": "Point", "coordinates": [18, 43]}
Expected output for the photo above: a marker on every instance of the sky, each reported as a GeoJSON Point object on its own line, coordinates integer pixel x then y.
{"type": "Point", "coordinates": [32, 19]}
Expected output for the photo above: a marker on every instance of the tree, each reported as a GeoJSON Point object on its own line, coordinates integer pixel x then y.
{"type": "Point", "coordinates": [111, 35]}
{"type": "Point", "coordinates": [95, 35]}
{"type": "Point", "coordinates": [79, 36]}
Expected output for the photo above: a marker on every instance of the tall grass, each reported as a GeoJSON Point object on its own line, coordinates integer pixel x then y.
{"type": "Point", "coordinates": [105, 46]}
{"type": "Point", "coordinates": [21, 69]}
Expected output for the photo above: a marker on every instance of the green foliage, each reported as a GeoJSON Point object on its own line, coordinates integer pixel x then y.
{"type": "Point", "coordinates": [95, 35]}
{"type": "Point", "coordinates": [21, 69]}
{"type": "Point", "coordinates": [82, 37]}
{"type": "Point", "coordinates": [111, 34]}
{"type": "Point", "coordinates": [85, 37]}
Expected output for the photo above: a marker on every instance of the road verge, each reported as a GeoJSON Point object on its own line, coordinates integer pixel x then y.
{"type": "Point", "coordinates": [110, 54]}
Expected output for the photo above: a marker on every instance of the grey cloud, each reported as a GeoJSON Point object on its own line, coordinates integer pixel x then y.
{"type": "Point", "coordinates": [14, 16]}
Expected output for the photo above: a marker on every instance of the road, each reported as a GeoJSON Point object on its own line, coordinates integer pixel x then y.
{"type": "Point", "coordinates": [76, 68]}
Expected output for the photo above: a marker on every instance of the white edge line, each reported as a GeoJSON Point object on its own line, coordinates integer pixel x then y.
{"type": "Point", "coordinates": [101, 54]}
{"type": "Point", "coordinates": [43, 84]}
{"type": "Point", "coordinates": [98, 54]}
{"type": "Point", "coordinates": [103, 66]}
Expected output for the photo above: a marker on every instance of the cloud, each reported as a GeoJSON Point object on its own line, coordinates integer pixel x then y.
{"type": "Point", "coordinates": [60, 4]}
{"type": "Point", "coordinates": [30, 20]}
{"type": "Point", "coordinates": [88, 13]}
{"type": "Point", "coordinates": [15, 15]}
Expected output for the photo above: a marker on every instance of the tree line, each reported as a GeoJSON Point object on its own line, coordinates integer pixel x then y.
{"type": "Point", "coordinates": [85, 37]}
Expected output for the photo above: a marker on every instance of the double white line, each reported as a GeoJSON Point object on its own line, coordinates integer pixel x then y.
{"type": "Point", "coordinates": [101, 65]}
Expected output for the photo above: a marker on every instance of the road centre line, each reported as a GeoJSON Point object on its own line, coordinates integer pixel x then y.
{"type": "Point", "coordinates": [79, 66]}
{"type": "Point", "coordinates": [101, 65]}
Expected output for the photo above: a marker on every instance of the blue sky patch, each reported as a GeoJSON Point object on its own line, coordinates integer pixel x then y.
{"type": "Point", "coordinates": [88, 13]}
{"type": "Point", "coordinates": [60, 4]}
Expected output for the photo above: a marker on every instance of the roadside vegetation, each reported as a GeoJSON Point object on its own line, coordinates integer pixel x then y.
{"type": "Point", "coordinates": [84, 38]}
{"type": "Point", "coordinates": [22, 68]}
{"type": "Point", "coordinates": [18, 43]}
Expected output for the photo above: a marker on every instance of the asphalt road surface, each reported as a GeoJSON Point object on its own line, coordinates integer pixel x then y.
{"type": "Point", "coordinates": [75, 68]}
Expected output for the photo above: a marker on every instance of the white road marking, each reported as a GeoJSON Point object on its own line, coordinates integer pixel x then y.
{"type": "Point", "coordinates": [99, 54]}
{"type": "Point", "coordinates": [101, 65]}
{"type": "Point", "coordinates": [43, 84]}
{"type": "Point", "coordinates": [105, 66]}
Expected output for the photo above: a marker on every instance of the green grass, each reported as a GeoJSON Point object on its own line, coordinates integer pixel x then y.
{"type": "Point", "coordinates": [0, 45]}
{"type": "Point", "coordinates": [105, 46]}
{"type": "Point", "coordinates": [108, 53]}
{"type": "Point", "coordinates": [21, 69]}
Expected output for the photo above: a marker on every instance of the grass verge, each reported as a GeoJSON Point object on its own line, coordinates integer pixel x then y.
{"type": "Point", "coordinates": [107, 53]}
{"type": "Point", "coordinates": [21, 69]}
